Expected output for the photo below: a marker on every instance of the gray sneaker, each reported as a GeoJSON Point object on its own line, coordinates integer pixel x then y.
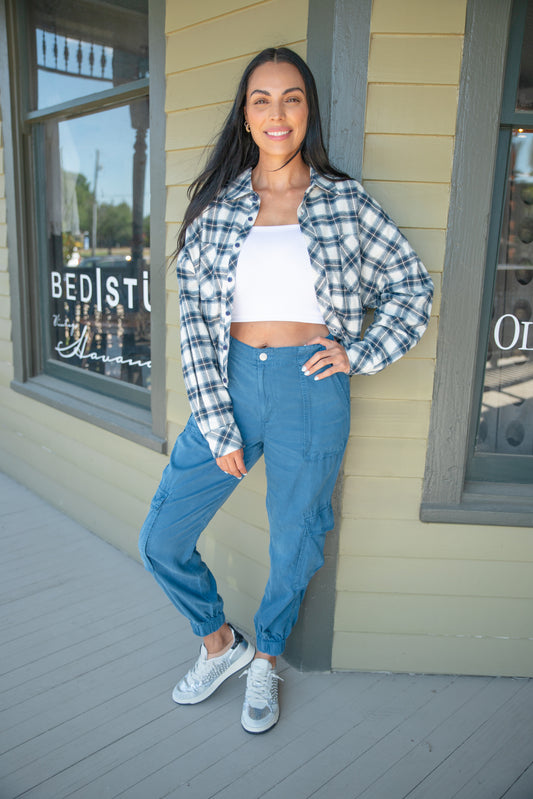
{"type": "Point", "coordinates": [261, 708]}
{"type": "Point", "coordinates": [207, 674]}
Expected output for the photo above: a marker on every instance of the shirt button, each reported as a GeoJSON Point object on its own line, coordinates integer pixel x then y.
{"type": "Point", "coordinates": [228, 313]}
{"type": "Point", "coordinates": [250, 219]}
{"type": "Point", "coordinates": [263, 356]}
{"type": "Point", "coordinates": [230, 279]}
{"type": "Point", "coordinates": [237, 245]}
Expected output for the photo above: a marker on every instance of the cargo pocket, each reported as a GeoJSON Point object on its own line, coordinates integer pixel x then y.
{"type": "Point", "coordinates": [311, 556]}
{"type": "Point", "coordinates": [146, 530]}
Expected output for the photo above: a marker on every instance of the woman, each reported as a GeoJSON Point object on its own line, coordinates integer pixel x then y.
{"type": "Point", "coordinates": [279, 256]}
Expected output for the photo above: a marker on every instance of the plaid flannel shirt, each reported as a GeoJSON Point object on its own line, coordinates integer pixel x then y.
{"type": "Point", "coordinates": [360, 260]}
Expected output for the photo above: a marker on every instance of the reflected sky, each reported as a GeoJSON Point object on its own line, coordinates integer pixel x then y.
{"type": "Point", "coordinates": [80, 138]}
{"type": "Point", "coordinates": [111, 133]}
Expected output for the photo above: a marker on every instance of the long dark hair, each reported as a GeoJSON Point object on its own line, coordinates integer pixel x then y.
{"type": "Point", "coordinates": [235, 150]}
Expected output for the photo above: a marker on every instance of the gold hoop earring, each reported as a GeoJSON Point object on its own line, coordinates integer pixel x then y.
{"type": "Point", "coordinates": [246, 126]}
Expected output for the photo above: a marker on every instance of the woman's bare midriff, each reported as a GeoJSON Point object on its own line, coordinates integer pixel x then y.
{"type": "Point", "coordinates": [276, 334]}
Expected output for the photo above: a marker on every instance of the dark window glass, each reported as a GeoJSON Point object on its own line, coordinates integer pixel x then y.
{"type": "Point", "coordinates": [524, 98]}
{"type": "Point", "coordinates": [506, 419]}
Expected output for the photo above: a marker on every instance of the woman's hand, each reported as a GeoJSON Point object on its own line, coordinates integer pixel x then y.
{"type": "Point", "coordinates": [233, 463]}
{"type": "Point", "coordinates": [333, 356]}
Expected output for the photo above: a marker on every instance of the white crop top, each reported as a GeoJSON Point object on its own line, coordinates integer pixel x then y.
{"type": "Point", "coordinates": [274, 278]}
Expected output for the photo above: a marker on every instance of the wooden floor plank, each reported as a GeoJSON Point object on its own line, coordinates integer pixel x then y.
{"type": "Point", "coordinates": [424, 754]}
{"type": "Point", "coordinates": [522, 787]}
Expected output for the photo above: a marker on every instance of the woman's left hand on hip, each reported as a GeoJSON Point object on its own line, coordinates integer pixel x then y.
{"type": "Point", "coordinates": [333, 356]}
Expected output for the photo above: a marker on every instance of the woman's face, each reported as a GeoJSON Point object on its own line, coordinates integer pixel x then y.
{"type": "Point", "coordinates": [276, 108]}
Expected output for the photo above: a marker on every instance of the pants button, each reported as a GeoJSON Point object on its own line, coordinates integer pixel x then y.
{"type": "Point", "coordinates": [263, 356]}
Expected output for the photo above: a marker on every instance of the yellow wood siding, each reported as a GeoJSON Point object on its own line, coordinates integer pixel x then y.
{"type": "Point", "coordinates": [207, 50]}
{"type": "Point", "coordinates": [414, 596]}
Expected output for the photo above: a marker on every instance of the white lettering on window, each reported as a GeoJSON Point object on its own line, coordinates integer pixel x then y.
{"type": "Point", "coordinates": [56, 284]}
{"type": "Point", "coordinates": [517, 324]}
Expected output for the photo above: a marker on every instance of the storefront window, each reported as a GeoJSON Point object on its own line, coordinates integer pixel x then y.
{"type": "Point", "coordinates": [502, 449]}
{"type": "Point", "coordinates": [88, 97]}
{"type": "Point", "coordinates": [506, 421]}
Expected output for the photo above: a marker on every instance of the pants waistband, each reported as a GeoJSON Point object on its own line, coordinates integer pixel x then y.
{"type": "Point", "coordinates": [276, 355]}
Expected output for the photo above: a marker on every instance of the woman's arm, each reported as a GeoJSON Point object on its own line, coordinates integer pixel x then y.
{"type": "Point", "coordinates": [395, 283]}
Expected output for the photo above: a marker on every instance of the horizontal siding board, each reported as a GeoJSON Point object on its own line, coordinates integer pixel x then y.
{"type": "Point", "coordinates": [73, 482]}
{"type": "Point", "coordinates": [411, 109]}
{"type": "Point", "coordinates": [389, 417]}
{"type": "Point", "coordinates": [415, 59]}
{"type": "Point", "coordinates": [5, 329]}
{"type": "Point", "coordinates": [413, 204]}
{"type": "Point", "coordinates": [407, 379]}
{"type": "Point", "coordinates": [124, 476]}
{"type": "Point", "coordinates": [246, 31]}
{"type": "Point", "coordinates": [178, 408]}
{"type": "Point", "coordinates": [393, 457]}
{"type": "Point", "coordinates": [378, 497]}
{"type": "Point", "coordinates": [6, 352]}
{"type": "Point", "coordinates": [418, 16]}
{"type": "Point", "coordinates": [240, 536]}
{"type": "Point", "coordinates": [439, 615]}
{"type": "Point", "coordinates": [5, 308]}
{"type": "Point", "coordinates": [184, 165]}
{"type": "Point", "coordinates": [415, 539]}
{"type": "Point", "coordinates": [236, 569]}
{"type": "Point", "coordinates": [432, 654]}
{"type": "Point", "coordinates": [182, 15]}
{"type": "Point", "coordinates": [76, 502]}
{"type": "Point", "coordinates": [176, 204]}
{"type": "Point", "coordinates": [427, 346]}
{"type": "Point", "coordinates": [408, 158]}
{"type": "Point", "coordinates": [196, 127]}
{"type": "Point", "coordinates": [119, 450]}
{"type": "Point", "coordinates": [445, 577]}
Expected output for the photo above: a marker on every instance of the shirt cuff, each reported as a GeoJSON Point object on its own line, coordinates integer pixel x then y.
{"type": "Point", "coordinates": [223, 440]}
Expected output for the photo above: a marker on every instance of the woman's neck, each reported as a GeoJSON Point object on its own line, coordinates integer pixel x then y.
{"type": "Point", "coordinates": [272, 175]}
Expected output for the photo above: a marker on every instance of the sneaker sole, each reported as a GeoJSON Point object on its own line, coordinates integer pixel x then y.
{"type": "Point", "coordinates": [246, 658]}
{"type": "Point", "coordinates": [262, 729]}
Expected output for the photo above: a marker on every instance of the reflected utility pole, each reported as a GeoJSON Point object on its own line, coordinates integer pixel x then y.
{"type": "Point", "coordinates": [97, 168]}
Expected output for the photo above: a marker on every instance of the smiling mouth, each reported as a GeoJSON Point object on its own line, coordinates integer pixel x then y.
{"type": "Point", "coordinates": [277, 134]}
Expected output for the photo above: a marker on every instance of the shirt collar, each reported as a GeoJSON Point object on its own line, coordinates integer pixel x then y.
{"type": "Point", "coordinates": [242, 185]}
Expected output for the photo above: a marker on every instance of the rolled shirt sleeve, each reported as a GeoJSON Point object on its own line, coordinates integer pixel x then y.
{"type": "Point", "coordinates": [395, 283]}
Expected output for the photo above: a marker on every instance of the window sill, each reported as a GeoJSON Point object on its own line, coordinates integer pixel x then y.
{"type": "Point", "coordinates": [503, 504]}
{"type": "Point", "coordinates": [120, 418]}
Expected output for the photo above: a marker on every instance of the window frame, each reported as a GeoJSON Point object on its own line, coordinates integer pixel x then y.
{"type": "Point", "coordinates": [145, 425]}
{"type": "Point", "coordinates": [448, 495]}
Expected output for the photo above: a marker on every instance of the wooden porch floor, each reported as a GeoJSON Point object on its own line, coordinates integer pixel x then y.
{"type": "Point", "coordinates": [90, 649]}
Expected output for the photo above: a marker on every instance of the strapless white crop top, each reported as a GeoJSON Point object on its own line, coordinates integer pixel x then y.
{"type": "Point", "coordinates": [274, 279]}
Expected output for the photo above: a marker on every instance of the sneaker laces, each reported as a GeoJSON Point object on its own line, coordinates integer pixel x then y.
{"type": "Point", "coordinates": [258, 689]}
{"type": "Point", "coordinates": [203, 669]}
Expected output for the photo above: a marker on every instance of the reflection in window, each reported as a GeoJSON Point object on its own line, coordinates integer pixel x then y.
{"type": "Point", "coordinates": [506, 421]}
{"type": "Point", "coordinates": [85, 47]}
{"type": "Point", "coordinates": [98, 242]}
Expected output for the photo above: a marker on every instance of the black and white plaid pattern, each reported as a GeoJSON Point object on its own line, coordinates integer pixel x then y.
{"type": "Point", "coordinates": [360, 259]}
